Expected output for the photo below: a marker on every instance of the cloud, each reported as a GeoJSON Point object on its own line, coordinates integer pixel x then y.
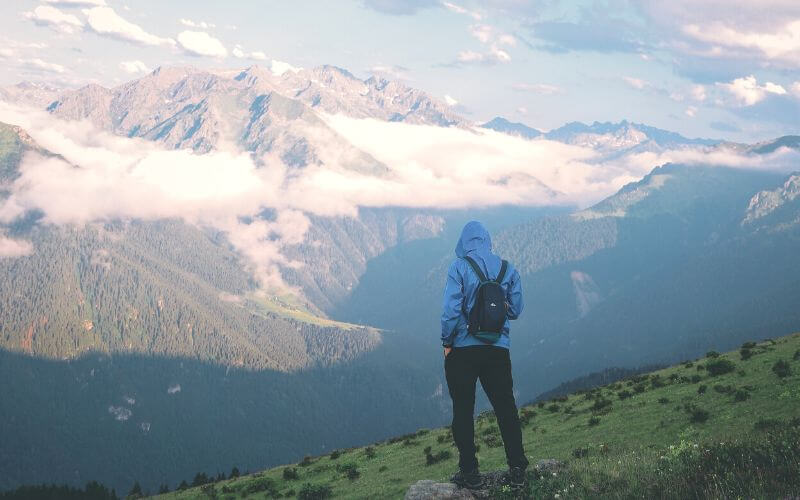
{"type": "Point", "coordinates": [538, 88]}
{"type": "Point", "coordinates": [10, 248]}
{"type": "Point", "coordinates": [782, 44]}
{"type": "Point", "coordinates": [37, 64]}
{"type": "Point", "coordinates": [105, 22]}
{"type": "Point", "coordinates": [279, 67]}
{"type": "Point", "coordinates": [399, 7]}
{"type": "Point", "coordinates": [796, 88]}
{"type": "Point", "coordinates": [77, 3]}
{"type": "Point", "coordinates": [691, 111]}
{"type": "Point", "coordinates": [239, 53]}
{"type": "Point", "coordinates": [461, 10]}
{"type": "Point", "coordinates": [449, 100]}
{"type": "Point", "coordinates": [200, 43]}
{"type": "Point", "coordinates": [493, 56]}
{"type": "Point", "coordinates": [263, 206]}
{"type": "Point", "coordinates": [134, 67]}
{"type": "Point", "coordinates": [636, 83]}
{"type": "Point", "coordinates": [390, 71]}
{"type": "Point", "coordinates": [201, 24]}
{"type": "Point", "coordinates": [44, 15]}
{"type": "Point", "coordinates": [748, 92]}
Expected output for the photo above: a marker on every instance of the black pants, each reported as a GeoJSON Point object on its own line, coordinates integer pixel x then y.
{"type": "Point", "coordinates": [492, 365]}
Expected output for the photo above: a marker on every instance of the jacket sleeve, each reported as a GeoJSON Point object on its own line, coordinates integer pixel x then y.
{"type": "Point", "coordinates": [452, 303]}
{"type": "Point", "coordinates": [514, 296]}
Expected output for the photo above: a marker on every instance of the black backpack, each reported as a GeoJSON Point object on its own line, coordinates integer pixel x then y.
{"type": "Point", "coordinates": [488, 316]}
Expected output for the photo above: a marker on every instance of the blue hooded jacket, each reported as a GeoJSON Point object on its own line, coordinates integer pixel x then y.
{"type": "Point", "coordinates": [462, 287]}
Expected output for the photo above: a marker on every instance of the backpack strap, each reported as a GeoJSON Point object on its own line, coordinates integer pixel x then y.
{"type": "Point", "coordinates": [476, 268]}
{"type": "Point", "coordinates": [502, 272]}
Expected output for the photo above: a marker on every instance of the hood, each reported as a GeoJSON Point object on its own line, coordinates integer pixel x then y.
{"type": "Point", "coordinates": [474, 240]}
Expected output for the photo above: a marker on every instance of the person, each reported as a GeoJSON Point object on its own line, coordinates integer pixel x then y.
{"type": "Point", "coordinates": [467, 358]}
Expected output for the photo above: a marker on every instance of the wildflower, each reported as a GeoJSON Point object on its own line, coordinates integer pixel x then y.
{"type": "Point", "coordinates": [554, 474]}
{"type": "Point", "coordinates": [556, 496]}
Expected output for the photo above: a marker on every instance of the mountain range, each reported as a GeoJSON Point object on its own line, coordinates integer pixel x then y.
{"type": "Point", "coordinates": [156, 337]}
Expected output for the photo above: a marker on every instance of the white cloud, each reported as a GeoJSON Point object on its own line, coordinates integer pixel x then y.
{"type": "Point", "coordinates": [493, 56]}
{"type": "Point", "coordinates": [38, 64]}
{"type": "Point", "coordinates": [200, 43]}
{"type": "Point", "coordinates": [461, 10]}
{"type": "Point", "coordinates": [538, 88]}
{"type": "Point", "coordinates": [482, 32]}
{"type": "Point", "coordinates": [44, 15]}
{"type": "Point", "coordinates": [105, 22]}
{"type": "Point", "coordinates": [747, 91]}
{"type": "Point", "coordinates": [636, 83]}
{"type": "Point", "coordinates": [279, 67]}
{"type": "Point", "coordinates": [5, 52]}
{"type": "Point", "coordinates": [77, 3]}
{"type": "Point", "coordinates": [691, 111]}
{"type": "Point", "coordinates": [796, 88]}
{"type": "Point", "coordinates": [781, 44]}
{"type": "Point", "coordinates": [449, 100]}
{"type": "Point", "coordinates": [522, 110]}
{"type": "Point", "coordinates": [10, 248]}
{"type": "Point", "coordinates": [134, 67]}
{"type": "Point", "coordinates": [239, 53]}
{"type": "Point", "coordinates": [698, 93]}
{"type": "Point", "coordinates": [201, 24]}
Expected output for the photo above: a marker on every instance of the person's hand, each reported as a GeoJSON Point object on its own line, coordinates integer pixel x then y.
{"type": "Point", "coordinates": [447, 351]}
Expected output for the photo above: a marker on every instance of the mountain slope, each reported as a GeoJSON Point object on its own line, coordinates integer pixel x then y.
{"type": "Point", "coordinates": [620, 439]}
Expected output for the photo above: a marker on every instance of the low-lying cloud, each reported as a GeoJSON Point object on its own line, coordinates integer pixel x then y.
{"type": "Point", "coordinates": [262, 205]}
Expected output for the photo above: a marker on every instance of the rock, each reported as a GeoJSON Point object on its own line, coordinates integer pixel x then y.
{"type": "Point", "coordinates": [549, 466]}
{"type": "Point", "coordinates": [431, 490]}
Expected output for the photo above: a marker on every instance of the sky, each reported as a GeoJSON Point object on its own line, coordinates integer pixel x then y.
{"type": "Point", "coordinates": [704, 68]}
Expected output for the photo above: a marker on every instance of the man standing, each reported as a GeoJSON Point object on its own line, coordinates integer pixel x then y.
{"type": "Point", "coordinates": [475, 336]}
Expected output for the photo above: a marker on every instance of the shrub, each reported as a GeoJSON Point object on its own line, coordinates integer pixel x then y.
{"type": "Point", "coordinates": [745, 354]}
{"type": "Point", "coordinates": [383, 468]}
{"type": "Point", "coordinates": [741, 373]}
{"type": "Point", "coordinates": [431, 459]}
{"type": "Point", "coordinates": [493, 441]}
{"type": "Point", "coordinates": [700, 368]}
{"type": "Point", "coordinates": [594, 420]}
{"type": "Point", "coordinates": [441, 438]}
{"type": "Point", "coordinates": [696, 378]}
{"type": "Point", "coordinates": [720, 366]}
{"type": "Point", "coordinates": [656, 382]}
{"type": "Point", "coordinates": [796, 356]}
{"type": "Point", "coordinates": [741, 395]}
{"type": "Point", "coordinates": [748, 345]}
{"type": "Point", "coordinates": [782, 368]}
{"type": "Point", "coordinates": [580, 452]}
{"type": "Point", "coordinates": [688, 364]}
{"type": "Point", "coordinates": [723, 389]}
{"type": "Point", "coordinates": [674, 377]}
{"type": "Point", "coordinates": [562, 399]}
{"type": "Point", "coordinates": [290, 474]}
{"type": "Point", "coordinates": [422, 432]}
{"type": "Point", "coordinates": [335, 454]}
{"type": "Point", "coordinates": [601, 405]}
{"type": "Point", "coordinates": [696, 414]}
{"type": "Point", "coordinates": [712, 354]}
{"type": "Point", "coordinates": [553, 408]}
{"type": "Point", "coordinates": [260, 484]}
{"type": "Point", "coordinates": [767, 424]}
{"type": "Point", "coordinates": [604, 450]}
{"type": "Point", "coordinates": [369, 451]}
{"type": "Point", "coordinates": [307, 460]}
{"type": "Point", "coordinates": [624, 394]}
{"type": "Point", "coordinates": [541, 404]}
{"type": "Point", "coordinates": [349, 470]}
{"type": "Point", "coordinates": [663, 401]}
{"type": "Point", "coordinates": [701, 389]}
{"type": "Point", "coordinates": [315, 492]}
{"type": "Point", "coordinates": [234, 472]}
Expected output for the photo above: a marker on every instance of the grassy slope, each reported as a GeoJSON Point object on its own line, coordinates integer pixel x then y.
{"type": "Point", "coordinates": [633, 434]}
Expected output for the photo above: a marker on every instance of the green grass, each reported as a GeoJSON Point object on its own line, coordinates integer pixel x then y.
{"type": "Point", "coordinates": [649, 444]}
{"type": "Point", "coordinates": [289, 306]}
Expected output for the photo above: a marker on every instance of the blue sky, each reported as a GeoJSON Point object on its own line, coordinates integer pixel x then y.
{"type": "Point", "coordinates": [708, 68]}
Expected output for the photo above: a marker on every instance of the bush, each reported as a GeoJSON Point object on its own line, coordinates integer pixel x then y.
{"type": "Point", "coordinates": [674, 377]}
{"type": "Point", "coordinates": [349, 470]}
{"type": "Point", "coordinates": [723, 389]}
{"type": "Point", "coordinates": [580, 452]}
{"type": "Point", "coordinates": [701, 389]}
{"type": "Point", "coordinates": [741, 395]}
{"type": "Point", "coordinates": [431, 459]}
{"type": "Point", "coordinates": [369, 451]}
{"type": "Point", "coordinates": [234, 472]}
{"type": "Point", "coordinates": [639, 388]}
{"type": "Point", "coordinates": [782, 368]}
{"type": "Point", "coordinates": [553, 408]}
{"type": "Point", "coordinates": [335, 454]}
{"type": "Point", "coordinates": [720, 366]}
{"type": "Point", "coordinates": [696, 414]}
{"type": "Point", "coordinates": [315, 492]}
{"type": "Point", "coordinates": [290, 474]}
{"type": "Point", "coordinates": [748, 345]}
{"type": "Point", "coordinates": [712, 354]}
{"type": "Point", "coordinates": [657, 382]}
{"type": "Point", "coordinates": [745, 354]}
{"type": "Point", "coordinates": [696, 378]}
{"type": "Point", "coordinates": [624, 394]}
{"type": "Point", "coordinates": [765, 424]}
{"type": "Point", "coordinates": [307, 460]}
{"type": "Point", "coordinates": [594, 420]}
{"type": "Point", "coordinates": [663, 401]}
{"type": "Point", "coordinates": [441, 438]}
{"type": "Point", "coordinates": [383, 468]}
{"type": "Point", "coordinates": [260, 484]}
{"type": "Point", "coordinates": [796, 356]}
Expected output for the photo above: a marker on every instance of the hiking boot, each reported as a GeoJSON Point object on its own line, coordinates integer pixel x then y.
{"type": "Point", "coordinates": [471, 480]}
{"type": "Point", "coordinates": [516, 477]}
